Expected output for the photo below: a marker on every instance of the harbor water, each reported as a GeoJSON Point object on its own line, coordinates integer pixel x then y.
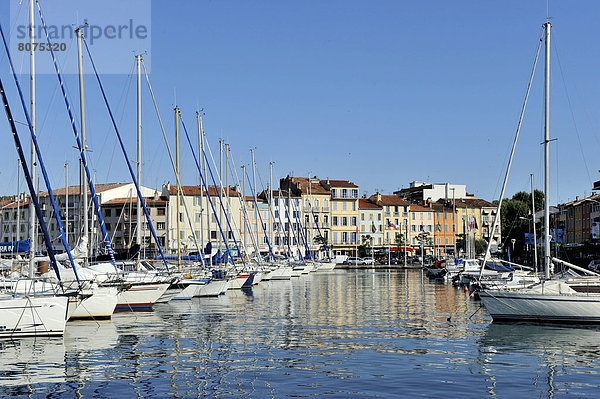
{"type": "Point", "coordinates": [340, 334]}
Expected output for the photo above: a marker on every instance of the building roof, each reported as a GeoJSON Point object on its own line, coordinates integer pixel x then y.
{"type": "Point", "coordinates": [340, 183]}
{"type": "Point", "coordinates": [195, 191]}
{"type": "Point", "coordinates": [75, 190]}
{"type": "Point", "coordinates": [420, 208]}
{"type": "Point", "coordinates": [314, 186]}
{"type": "Point", "coordinates": [364, 203]}
{"type": "Point", "coordinates": [388, 200]}
{"type": "Point", "coordinates": [10, 204]}
{"type": "Point", "coordinates": [147, 200]}
{"type": "Point", "coordinates": [472, 203]}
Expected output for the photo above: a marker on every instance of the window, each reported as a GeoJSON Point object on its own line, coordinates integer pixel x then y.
{"type": "Point", "coordinates": [362, 216]}
{"type": "Point", "coordinates": [353, 237]}
{"type": "Point", "coordinates": [355, 193]}
{"type": "Point", "coordinates": [325, 218]}
{"type": "Point", "coordinates": [334, 221]}
{"type": "Point", "coordinates": [396, 222]}
{"type": "Point", "coordinates": [344, 237]}
{"type": "Point", "coordinates": [334, 205]}
{"type": "Point", "coordinates": [317, 203]}
{"type": "Point", "coordinates": [213, 235]}
{"type": "Point", "coordinates": [446, 241]}
{"type": "Point", "coordinates": [276, 201]}
{"type": "Point", "coordinates": [353, 205]}
{"type": "Point", "coordinates": [421, 215]}
{"type": "Point", "coordinates": [107, 212]}
{"type": "Point", "coordinates": [276, 214]}
{"type": "Point", "coordinates": [414, 216]}
{"type": "Point", "coordinates": [181, 217]}
{"type": "Point", "coordinates": [379, 216]}
{"type": "Point", "coordinates": [353, 220]}
{"type": "Point", "coordinates": [429, 215]}
{"type": "Point", "coordinates": [344, 221]}
{"type": "Point", "coordinates": [335, 237]}
{"type": "Point", "coordinates": [160, 211]}
{"type": "Point", "coordinates": [344, 193]}
{"type": "Point", "coordinates": [108, 226]}
{"type": "Point", "coordinates": [344, 205]}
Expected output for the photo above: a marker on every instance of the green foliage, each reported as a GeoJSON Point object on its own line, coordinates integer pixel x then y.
{"type": "Point", "coordinates": [516, 219]}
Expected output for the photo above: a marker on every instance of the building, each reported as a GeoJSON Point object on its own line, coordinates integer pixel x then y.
{"type": "Point", "coordinates": [120, 218]}
{"type": "Point", "coordinates": [420, 192]}
{"type": "Point", "coordinates": [344, 215]}
{"type": "Point", "coordinates": [396, 233]}
{"type": "Point", "coordinates": [315, 200]}
{"type": "Point", "coordinates": [421, 223]}
{"type": "Point", "coordinates": [370, 217]}
{"type": "Point", "coordinates": [444, 231]}
{"type": "Point", "coordinates": [208, 211]}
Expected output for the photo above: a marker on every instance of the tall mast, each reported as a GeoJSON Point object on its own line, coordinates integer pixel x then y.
{"type": "Point", "coordinates": [220, 188]}
{"type": "Point", "coordinates": [32, 221]}
{"type": "Point", "coordinates": [67, 201]}
{"type": "Point", "coordinates": [138, 235]}
{"type": "Point", "coordinates": [201, 150]}
{"type": "Point", "coordinates": [178, 186]}
{"type": "Point", "coordinates": [227, 209]}
{"type": "Point", "coordinates": [547, 155]}
{"type": "Point", "coordinates": [84, 192]}
{"type": "Point", "coordinates": [271, 202]}
{"type": "Point", "coordinates": [18, 202]}
{"type": "Point", "coordinates": [254, 188]}
{"type": "Point", "coordinates": [244, 195]}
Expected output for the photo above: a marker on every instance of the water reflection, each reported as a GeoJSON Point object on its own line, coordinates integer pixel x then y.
{"type": "Point", "coordinates": [553, 359]}
{"type": "Point", "coordinates": [358, 333]}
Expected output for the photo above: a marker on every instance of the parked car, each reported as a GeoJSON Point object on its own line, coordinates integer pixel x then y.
{"type": "Point", "coordinates": [354, 261]}
{"type": "Point", "coordinates": [368, 261]}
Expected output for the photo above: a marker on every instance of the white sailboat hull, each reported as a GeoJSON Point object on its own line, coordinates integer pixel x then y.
{"type": "Point", "coordinates": [525, 306]}
{"type": "Point", "coordinates": [213, 288]}
{"type": "Point", "coordinates": [33, 316]}
{"type": "Point", "coordinates": [100, 305]}
{"type": "Point", "coordinates": [140, 296]}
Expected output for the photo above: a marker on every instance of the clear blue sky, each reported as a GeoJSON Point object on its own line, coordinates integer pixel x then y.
{"type": "Point", "coordinates": [380, 93]}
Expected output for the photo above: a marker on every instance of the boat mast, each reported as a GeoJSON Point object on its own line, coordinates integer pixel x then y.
{"type": "Point", "coordinates": [32, 221]}
{"type": "Point", "coordinates": [199, 120]}
{"type": "Point", "coordinates": [254, 190]}
{"type": "Point", "coordinates": [138, 235]}
{"type": "Point", "coordinates": [244, 195]}
{"type": "Point", "coordinates": [227, 200]}
{"type": "Point", "coordinates": [271, 201]}
{"type": "Point", "coordinates": [67, 201]}
{"type": "Point", "coordinates": [178, 186]}
{"type": "Point", "coordinates": [18, 202]}
{"type": "Point", "coordinates": [547, 258]}
{"type": "Point", "coordinates": [220, 188]}
{"type": "Point", "coordinates": [84, 192]}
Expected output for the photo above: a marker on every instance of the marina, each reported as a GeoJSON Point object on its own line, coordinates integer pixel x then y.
{"type": "Point", "coordinates": [192, 252]}
{"type": "Point", "coordinates": [356, 333]}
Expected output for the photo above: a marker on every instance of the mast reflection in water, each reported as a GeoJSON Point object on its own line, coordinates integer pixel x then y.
{"type": "Point", "coordinates": [339, 334]}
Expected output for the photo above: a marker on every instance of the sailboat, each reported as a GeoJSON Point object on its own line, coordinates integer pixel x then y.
{"type": "Point", "coordinates": [554, 299]}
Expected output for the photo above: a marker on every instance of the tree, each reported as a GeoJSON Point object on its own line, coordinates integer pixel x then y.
{"type": "Point", "coordinates": [516, 218]}
{"type": "Point", "coordinates": [365, 246]}
{"type": "Point", "coordinates": [320, 240]}
{"type": "Point", "coordinates": [480, 246]}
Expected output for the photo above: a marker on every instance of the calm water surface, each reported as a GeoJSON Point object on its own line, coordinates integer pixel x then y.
{"type": "Point", "coordinates": [332, 335]}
